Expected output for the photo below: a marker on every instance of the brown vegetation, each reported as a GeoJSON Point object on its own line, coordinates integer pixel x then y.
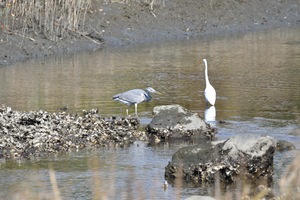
{"type": "Point", "coordinates": [51, 18]}
{"type": "Point", "coordinates": [38, 28]}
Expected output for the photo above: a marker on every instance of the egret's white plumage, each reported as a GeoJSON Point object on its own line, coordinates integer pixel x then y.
{"type": "Point", "coordinates": [209, 92]}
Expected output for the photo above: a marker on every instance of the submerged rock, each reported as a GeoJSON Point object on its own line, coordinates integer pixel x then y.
{"type": "Point", "coordinates": [36, 133]}
{"type": "Point", "coordinates": [283, 145]}
{"type": "Point", "coordinates": [249, 158]}
{"type": "Point", "coordinates": [176, 122]}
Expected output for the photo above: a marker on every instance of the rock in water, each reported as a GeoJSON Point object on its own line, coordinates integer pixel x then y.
{"type": "Point", "coordinates": [242, 157]}
{"type": "Point", "coordinates": [174, 121]}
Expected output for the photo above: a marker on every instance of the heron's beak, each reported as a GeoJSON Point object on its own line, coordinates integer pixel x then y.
{"type": "Point", "coordinates": [158, 92]}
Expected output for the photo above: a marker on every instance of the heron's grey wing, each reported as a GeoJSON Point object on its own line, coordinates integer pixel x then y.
{"type": "Point", "coordinates": [117, 98]}
{"type": "Point", "coordinates": [133, 96]}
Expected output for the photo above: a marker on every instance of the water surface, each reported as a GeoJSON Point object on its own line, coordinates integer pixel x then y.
{"type": "Point", "coordinates": [256, 76]}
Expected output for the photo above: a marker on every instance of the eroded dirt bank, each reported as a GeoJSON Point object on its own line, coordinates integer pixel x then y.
{"type": "Point", "coordinates": [128, 23]}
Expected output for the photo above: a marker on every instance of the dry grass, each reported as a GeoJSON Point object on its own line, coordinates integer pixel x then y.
{"type": "Point", "coordinates": [52, 18]}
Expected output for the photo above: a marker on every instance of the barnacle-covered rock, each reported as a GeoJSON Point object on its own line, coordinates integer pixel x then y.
{"type": "Point", "coordinates": [245, 157]}
{"type": "Point", "coordinates": [176, 122]}
{"type": "Point", "coordinates": [37, 133]}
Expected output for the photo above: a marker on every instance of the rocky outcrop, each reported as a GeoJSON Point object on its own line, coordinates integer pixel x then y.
{"type": "Point", "coordinates": [237, 158]}
{"type": "Point", "coordinates": [36, 133]}
{"type": "Point", "coordinates": [176, 122]}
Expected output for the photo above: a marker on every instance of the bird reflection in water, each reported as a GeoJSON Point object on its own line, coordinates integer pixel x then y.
{"type": "Point", "coordinates": [210, 114]}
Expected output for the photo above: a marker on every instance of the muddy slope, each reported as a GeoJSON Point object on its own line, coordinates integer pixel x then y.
{"type": "Point", "coordinates": [128, 23]}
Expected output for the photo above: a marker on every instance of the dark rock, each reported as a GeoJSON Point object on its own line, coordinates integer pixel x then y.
{"type": "Point", "coordinates": [283, 145]}
{"type": "Point", "coordinates": [175, 122]}
{"type": "Point", "coordinates": [249, 158]}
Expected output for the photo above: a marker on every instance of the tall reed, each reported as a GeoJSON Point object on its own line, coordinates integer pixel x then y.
{"type": "Point", "coordinates": [52, 18]}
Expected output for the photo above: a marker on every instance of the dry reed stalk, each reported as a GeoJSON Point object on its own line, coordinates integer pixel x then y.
{"type": "Point", "coordinates": [98, 192]}
{"type": "Point", "coordinates": [52, 18]}
{"type": "Point", "coordinates": [99, 186]}
{"type": "Point", "coordinates": [179, 180]}
{"type": "Point", "coordinates": [290, 182]}
{"type": "Point", "coordinates": [56, 192]}
{"type": "Point", "coordinates": [6, 15]}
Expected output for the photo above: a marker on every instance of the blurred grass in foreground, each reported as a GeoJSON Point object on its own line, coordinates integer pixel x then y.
{"type": "Point", "coordinates": [289, 187]}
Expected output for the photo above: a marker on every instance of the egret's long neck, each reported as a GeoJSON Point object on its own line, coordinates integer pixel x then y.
{"type": "Point", "coordinates": [206, 73]}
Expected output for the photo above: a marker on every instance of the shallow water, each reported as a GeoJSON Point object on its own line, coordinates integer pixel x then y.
{"type": "Point", "coordinates": [256, 76]}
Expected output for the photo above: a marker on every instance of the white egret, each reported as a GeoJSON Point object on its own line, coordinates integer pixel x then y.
{"type": "Point", "coordinates": [209, 92]}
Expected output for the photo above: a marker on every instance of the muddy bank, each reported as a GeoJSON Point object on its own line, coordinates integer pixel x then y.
{"type": "Point", "coordinates": [110, 24]}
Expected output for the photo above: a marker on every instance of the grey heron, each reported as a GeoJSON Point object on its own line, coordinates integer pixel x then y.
{"type": "Point", "coordinates": [135, 97]}
{"type": "Point", "coordinates": [209, 92]}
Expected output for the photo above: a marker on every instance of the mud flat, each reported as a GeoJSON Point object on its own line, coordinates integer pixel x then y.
{"type": "Point", "coordinates": [107, 24]}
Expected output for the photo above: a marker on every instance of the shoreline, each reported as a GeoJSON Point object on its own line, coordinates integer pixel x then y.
{"type": "Point", "coordinates": [121, 24]}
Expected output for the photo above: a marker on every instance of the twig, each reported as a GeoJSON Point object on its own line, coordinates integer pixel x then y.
{"type": "Point", "coordinates": [23, 36]}
{"type": "Point", "coordinates": [84, 35]}
{"type": "Point", "coordinates": [152, 13]}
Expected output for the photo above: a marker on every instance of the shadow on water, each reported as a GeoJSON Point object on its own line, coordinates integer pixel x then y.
{"type": "Point", "coordinates": [256, 77]}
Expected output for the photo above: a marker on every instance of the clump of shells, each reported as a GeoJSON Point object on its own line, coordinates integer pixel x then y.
{"type": "Point", "coordinates": [38, 133]}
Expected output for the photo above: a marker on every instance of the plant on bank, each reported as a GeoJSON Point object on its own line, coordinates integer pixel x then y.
{"type": "Point", "coordinates": [52, 18]}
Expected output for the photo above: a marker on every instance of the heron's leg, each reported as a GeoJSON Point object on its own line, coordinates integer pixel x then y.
{"type": "Point", "coordinates": [135, 106]}
{"type": "Point", "coordinates": [127, 111]}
